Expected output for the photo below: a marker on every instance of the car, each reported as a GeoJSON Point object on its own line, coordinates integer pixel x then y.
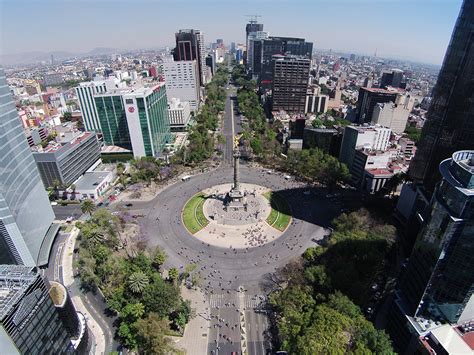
{"type": "Point", "coordinates": [54, 203]}
{"type": "Point", "coordinates": [186, 178]}
{"type": "Point", "coordinates": [115, 213]}
{"type": "Point", "coordinates": [128, 205]}
{"type": "Point", "coordinates": [287, 177]}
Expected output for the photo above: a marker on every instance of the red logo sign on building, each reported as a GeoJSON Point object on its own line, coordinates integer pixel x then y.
{"type": "Point", "coordinates": [131, 109]}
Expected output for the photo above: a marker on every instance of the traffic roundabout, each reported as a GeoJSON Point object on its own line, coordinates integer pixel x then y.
{"type": "Point", "coordinates": [249, 250]}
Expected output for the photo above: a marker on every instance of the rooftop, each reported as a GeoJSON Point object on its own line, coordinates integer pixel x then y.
{"type": "Point", "coordinates": [90, 180]}
{"type": "Point", "coordinates": [14, 281]}
{"type": "Point", "coordinates": [56, 147]}
{"type": "Point", "coordinates": [139, 90]}
{"type": "Point", "coordinates": [389, 90]}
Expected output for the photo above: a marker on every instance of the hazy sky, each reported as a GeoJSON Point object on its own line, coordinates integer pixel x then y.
{"type": "Point", "coordinates": [410, 29]}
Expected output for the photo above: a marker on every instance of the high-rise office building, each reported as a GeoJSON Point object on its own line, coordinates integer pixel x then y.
{"type": "Point", "coordinates": [85, 94]}
{"type": "Point", "coordinates": [190, 46]}
{"type": "Point", "coordinates": [29, 321]}
{"type": "Point", "coordinates": [182, 81]}
{"type": "Point", "coordinates": [290, 83]}
{"type": "Point", "coordinates": [254, 51]}
{"type": "Point", "coordinates": [135, 119]}
{"type": "Point", "coordinates": [369, 98]}
{"type": "Point", "coordinates": [438, 283]}
{"type": "Point", "coordinates": [449, 125]}
{"type": "Point", "coordinates": [283, 46]}
{"type": "Point", "coordinates": [252, 26]}
{"type": "Point", "coordinates": [25, 214]}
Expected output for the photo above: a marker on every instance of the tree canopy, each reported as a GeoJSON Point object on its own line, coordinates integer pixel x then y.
{"type": "Point", "coordinates": [316, 305]}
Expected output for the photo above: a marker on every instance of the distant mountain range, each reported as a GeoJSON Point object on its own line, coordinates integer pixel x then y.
{"type": "Point", "coordinates": [36, 57]}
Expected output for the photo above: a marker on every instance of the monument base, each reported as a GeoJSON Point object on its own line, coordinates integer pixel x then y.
{"type": "Point", "coordinates": [235, 200]}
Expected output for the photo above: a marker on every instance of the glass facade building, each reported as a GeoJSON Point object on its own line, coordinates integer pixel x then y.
{"type": "Point", "coordinates": [29, 322]}
{"type": "Point", "coordinates": [136, 119]}
{"type": "Point", "coordinates": [25, 211]}
{"type": "Point", "coordinates": [450, 120]}
{"type": "Point", "coordinates": [439, 280]}
{"type": "Point", "coordinates": [113, 120]}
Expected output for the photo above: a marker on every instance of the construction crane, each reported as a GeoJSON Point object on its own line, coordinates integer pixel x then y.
{"type": "Point", "coordinates": [253, 18]}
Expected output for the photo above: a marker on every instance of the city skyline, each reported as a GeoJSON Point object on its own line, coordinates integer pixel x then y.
{"type": "Point", "coordinates": [365, 20]}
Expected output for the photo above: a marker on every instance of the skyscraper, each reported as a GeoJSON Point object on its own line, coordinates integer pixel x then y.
{"type": "Point", "coordinates": [438, 283]}
{"type": "Point", "coordinates": [190, 46]}
{"type": "Point", "coordinates": [290, 83]}
{"type": "Point", "coordinates": [25, 213]}
{"type": "Point", "coordinates": [450, 120]}
{"type": "Point", "coordinates": [281, 45]}
{"type": "Point", "coordinates": [29, 321]}
{"type": "Point", "coordinates": [252, 26]}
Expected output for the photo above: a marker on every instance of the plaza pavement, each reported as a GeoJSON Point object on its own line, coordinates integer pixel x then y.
{"type": "Point", "coordinates": [195, 338]}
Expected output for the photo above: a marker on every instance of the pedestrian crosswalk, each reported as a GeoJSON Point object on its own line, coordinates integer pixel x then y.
{"type": "Point", "coordinates": [225, 300]}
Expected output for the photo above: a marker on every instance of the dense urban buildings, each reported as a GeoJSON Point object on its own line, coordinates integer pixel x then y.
{"type": "Point", "coordinates": [25, 214]}
{"type": "Point", "coordinates": [449, 124]}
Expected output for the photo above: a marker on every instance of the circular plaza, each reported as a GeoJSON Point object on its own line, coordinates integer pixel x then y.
{"type": "Point", "coordinates": [253, 220]}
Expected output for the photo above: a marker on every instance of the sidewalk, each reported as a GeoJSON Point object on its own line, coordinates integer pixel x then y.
{"type": "Point", "coordinates": [68, 280]}
{"type": "Point", "coordinates": [195, 338]}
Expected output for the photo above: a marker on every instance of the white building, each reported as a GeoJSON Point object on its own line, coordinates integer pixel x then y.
{"type": "Point", "coordinates": [362, 137]}
{"type": "Point", "coordinates": [393, 115]}
{"type": "Point", "coordinates": [182, 81]}
{"type": "Point", "coordinates": [85, 94]}
{"type": "Point", "coordinates": [93, 184]}
{"type": "Point", "coordinates": [179, 114]}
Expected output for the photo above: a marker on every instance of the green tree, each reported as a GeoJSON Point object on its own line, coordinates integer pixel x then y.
{"type": "Point", "coordinates": [88, 206]}
{"type": "Point", "coordinates": [138, 281]}
{"type": "Point", "coordinates": [161, 297]}
{"type": "Point", "coordinates": [173, 274]}
{"type": "Point", "coordinates": [151, 336]}
{"type": "Point", "coordinates": [159, 258]}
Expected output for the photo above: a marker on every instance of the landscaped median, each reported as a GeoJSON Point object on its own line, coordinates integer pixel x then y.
{"type": "Point", "coordinates": [280, 216]}
{"type": "Point", "coordinates": [193, 216]}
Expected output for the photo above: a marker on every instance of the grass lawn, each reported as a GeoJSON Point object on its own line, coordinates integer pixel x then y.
{"type": "Point", "coordinates": [193, 216]}
{"type": "Point", "coordinates": [280, 216]}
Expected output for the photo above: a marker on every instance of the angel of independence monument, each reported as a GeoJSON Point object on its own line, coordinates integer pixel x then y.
{"type": "Point", "coordinates": [236, 198]}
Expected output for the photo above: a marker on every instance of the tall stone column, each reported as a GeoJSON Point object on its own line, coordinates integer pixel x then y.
{"type": "Point", "coordinates": [236, 170]}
